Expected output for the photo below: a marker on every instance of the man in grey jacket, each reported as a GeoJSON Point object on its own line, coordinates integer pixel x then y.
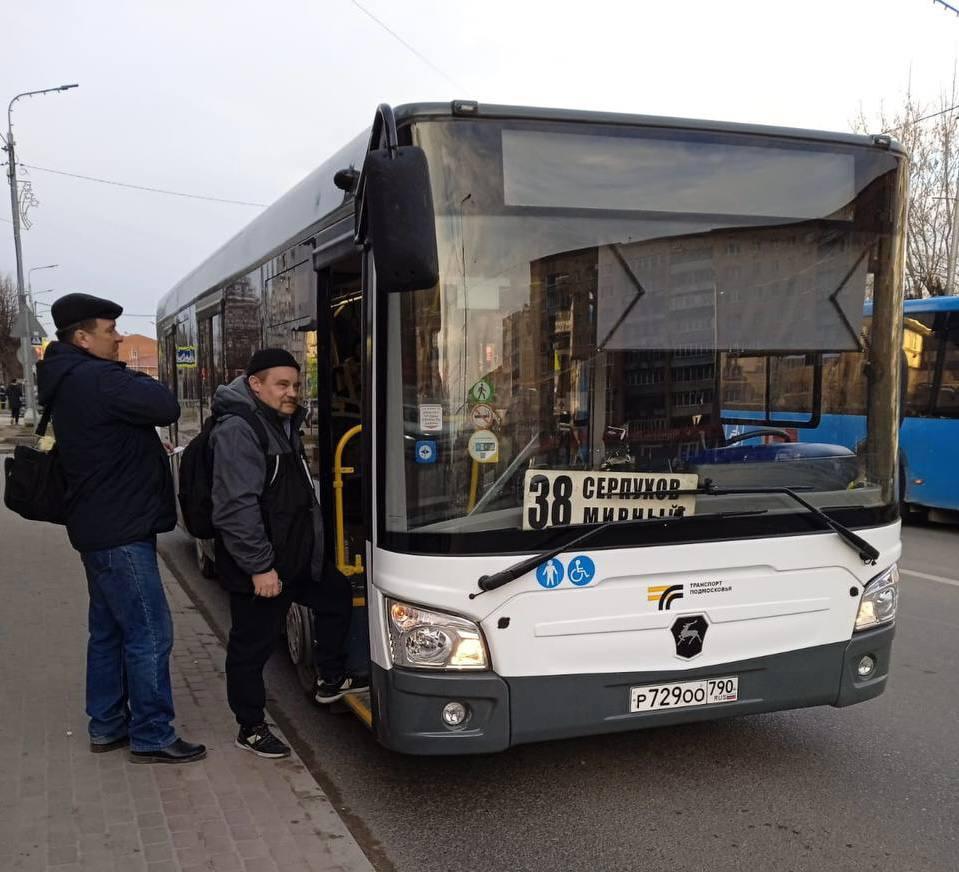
{"type": "Point", "coordinates": [269, 531]}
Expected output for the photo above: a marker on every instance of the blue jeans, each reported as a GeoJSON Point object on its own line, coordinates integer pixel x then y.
{"type": "Point", "coordinates": [128, 652]}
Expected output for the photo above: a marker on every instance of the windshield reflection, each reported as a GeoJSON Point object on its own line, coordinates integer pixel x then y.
{"type": "Point", "coordinates": [700, 346]}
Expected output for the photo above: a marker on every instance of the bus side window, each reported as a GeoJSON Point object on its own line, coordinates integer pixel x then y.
{"type": "Point", "coordinates": [920, 344]}
{"type": "Point", "coordinates": [947, 402]}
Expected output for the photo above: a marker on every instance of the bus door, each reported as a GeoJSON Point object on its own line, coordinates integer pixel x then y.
{"type": "Point", "coordinates": [340, 341]}
{"type": "Point", "coordinates": [336, 420]}
{"type": "Point", "coordinates": [170, 373]}
{"type": "Point", "coordinates": [209, 316]}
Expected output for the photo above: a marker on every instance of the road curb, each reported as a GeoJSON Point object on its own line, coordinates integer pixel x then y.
{"type": "Point", "coordinates": [371, 855]}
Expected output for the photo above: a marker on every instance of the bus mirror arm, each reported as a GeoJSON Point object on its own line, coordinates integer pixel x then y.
{"type": "Point", "coordinates": [394, 213]}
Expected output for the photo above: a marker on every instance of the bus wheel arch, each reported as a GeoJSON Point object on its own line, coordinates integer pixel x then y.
{"type": "Point", "coordinates": [205, 563]}
{"type": "Point", "coordinates": [299, 645]}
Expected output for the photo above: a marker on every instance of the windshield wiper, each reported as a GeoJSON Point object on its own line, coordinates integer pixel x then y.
{"type": "Point", "coordinates": [511, 573]}
{"type": "Point", "coordinates": [867, 553]}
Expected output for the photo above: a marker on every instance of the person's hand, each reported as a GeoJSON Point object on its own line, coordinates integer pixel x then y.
{"type": "Point", "coordinates": [168, 446]}
{"type": "Point", "coordinates": [267, 584]}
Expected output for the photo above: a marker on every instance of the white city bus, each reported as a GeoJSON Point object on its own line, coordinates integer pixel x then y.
{"type": "Point", "coordinates": [556, 365]}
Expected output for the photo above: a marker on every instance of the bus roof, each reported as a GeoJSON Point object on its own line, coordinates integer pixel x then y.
{"type": "Point", "coordinates": [298, 212]}
{"type": "Point", "coordinates": [932, 304]}
{"type": "Point", "coordinates": [274, 229]}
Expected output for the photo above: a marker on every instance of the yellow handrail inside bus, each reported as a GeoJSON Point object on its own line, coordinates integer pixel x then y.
{"type": "Point", "coordinates": [356, 567]}
{"type": "Point", "coordinates": [474, 487]}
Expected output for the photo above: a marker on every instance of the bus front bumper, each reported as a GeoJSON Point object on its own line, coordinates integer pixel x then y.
{"type": "Point", "coordinates": [408, 705]}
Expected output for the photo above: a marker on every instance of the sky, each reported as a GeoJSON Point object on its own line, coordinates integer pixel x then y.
{"type": "Point", "coordinates": [239, 100]}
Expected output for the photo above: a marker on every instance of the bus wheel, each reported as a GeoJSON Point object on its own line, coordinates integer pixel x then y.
{"type": "Point", "coordinates": [205, 564]}
{"type": "Point", "coordinates": [299, 644]}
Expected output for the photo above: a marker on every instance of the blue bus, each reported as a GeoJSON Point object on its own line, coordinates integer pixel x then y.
{"type": "Point", "coordinates": [818, 403]}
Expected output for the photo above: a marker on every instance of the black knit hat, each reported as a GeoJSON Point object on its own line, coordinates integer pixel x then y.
{"type": "Point", "coordinates": [75, 308]}
{"type": "Point", "coordinates": [267, 358]}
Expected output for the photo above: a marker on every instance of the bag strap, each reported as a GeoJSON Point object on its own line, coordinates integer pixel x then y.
{"type": "Point", "coordinates": [253, 419]}
{"type": "Point", "coordinates": [44, 419]}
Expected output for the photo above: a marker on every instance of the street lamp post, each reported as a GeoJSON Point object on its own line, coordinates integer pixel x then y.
{"type": "Point", "coordinates": [25, 345]}
{"type": "Point", "coordinates": [30, 273]}
{"type": "Point", "coordinates": [33, 269]}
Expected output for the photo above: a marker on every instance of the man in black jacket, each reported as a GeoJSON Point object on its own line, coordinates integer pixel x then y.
{"type": "Point", "coordinates": [269, 537]}
{"type": "Point", "coordinates": [15, 399]}
{"type": "Point", "coordinates": [119, 496]}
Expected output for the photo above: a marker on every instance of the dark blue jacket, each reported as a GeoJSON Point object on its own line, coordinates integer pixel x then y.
{"type": "Point", "coordinates": [119, 486]}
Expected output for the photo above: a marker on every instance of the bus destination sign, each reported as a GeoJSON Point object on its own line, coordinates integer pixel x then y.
{"type": "Point", "coordinates": [557, 498]}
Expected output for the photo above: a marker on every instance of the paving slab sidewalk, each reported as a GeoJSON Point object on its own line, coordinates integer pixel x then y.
{"type": "Point", "coordinates": [10, 434]}
{"type": "Point", "coordinates": [63, 808]}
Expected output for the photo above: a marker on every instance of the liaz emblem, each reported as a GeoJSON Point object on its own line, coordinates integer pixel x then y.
{"type": "Point", "coordinates": [689, 633]}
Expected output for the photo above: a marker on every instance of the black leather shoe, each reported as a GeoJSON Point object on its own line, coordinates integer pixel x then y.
{"type": "Point", "coordinates": [177, 752]}
{"type": "Point", "coordinates": [103, 747]}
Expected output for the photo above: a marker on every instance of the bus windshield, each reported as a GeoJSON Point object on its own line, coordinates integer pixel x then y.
{"type": "Point", "coordinates": [625, 313]}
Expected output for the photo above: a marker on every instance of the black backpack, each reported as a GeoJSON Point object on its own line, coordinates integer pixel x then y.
{"type": "Point", "coordinates": [196, 475]}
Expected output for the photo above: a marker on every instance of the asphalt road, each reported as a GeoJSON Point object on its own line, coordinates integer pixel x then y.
{"type": "Point", "coordinates": [874, 786]}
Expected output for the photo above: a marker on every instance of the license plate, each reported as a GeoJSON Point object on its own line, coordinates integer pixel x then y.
{"type": "Point", "coordinates": [680, 694]}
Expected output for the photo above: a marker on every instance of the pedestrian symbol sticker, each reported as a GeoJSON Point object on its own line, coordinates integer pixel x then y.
{"type": "Point", "coordinates": [482, 391]}
{"type": "Point", "coordinates": [550, 573]}
{"type": "Point", "coordinates": [425, 451]}
{"type": "Point", "coordinates": [581, 570]}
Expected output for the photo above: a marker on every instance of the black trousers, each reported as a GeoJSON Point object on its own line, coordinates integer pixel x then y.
{"type": "Point", "coordinates": [257, 623]}
{"type": "Point", "coordinates": [331, 601]}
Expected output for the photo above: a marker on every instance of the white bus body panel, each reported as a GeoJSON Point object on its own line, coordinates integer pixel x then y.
{"type": "Point", "coordinates": [778, 595]}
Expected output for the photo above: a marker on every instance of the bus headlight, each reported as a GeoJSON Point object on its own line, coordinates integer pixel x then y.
{"type": "Point", "coordinates": [425, 639]}
{"type": "Point", "coordinates": [878, 603]}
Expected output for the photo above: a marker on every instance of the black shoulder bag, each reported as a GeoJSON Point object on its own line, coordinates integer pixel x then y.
{"type": "Point", "coordinates": [34, 485]}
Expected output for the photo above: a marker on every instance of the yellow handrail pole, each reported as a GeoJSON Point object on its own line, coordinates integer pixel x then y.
{"type": "Point", "coordinates": [474, 485]}
{"type": "Point", "coordinates": [338, 471]}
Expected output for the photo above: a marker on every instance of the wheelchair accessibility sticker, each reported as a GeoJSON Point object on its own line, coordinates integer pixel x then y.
{"type": "Point", "coordinates": [580, 570]}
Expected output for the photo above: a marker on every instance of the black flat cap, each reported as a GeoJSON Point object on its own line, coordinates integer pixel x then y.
{"type": "Point", "coordinates": [74, 308]}
{"type": "Point", "coordinates": [267, 358]}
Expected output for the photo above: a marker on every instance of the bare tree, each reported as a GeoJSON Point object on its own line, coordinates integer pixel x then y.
{"type": "Point", "coordinates": [10, 367]}
{"type": "Point", "coordinates": [933, 146]}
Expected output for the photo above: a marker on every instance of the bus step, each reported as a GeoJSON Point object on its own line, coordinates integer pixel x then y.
{"type": "Point", "coordinates": [359, 703]}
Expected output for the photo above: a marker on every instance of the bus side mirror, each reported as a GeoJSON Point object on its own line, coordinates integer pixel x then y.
{"type": "Point", "coordinates": [401, 226]}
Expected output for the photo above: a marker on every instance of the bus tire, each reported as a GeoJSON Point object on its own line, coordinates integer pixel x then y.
{"type": "Point", "coordinates": [204, 562]}
{"type": "Point", "coordinates": [299, 645]}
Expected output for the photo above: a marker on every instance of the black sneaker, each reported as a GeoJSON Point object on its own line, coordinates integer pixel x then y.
{"type": "Point", "coordinates": [330, 691]}
{"type": "Point", "coordinates": [261, 741]}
